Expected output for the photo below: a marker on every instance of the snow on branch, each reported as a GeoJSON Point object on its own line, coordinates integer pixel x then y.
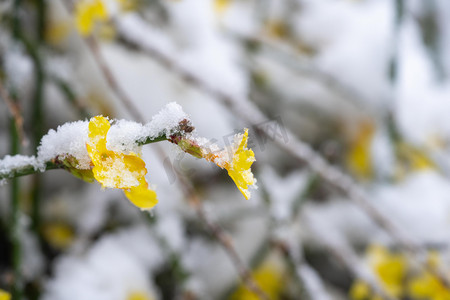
{"type": "Point", "coordinates": [69, 141]}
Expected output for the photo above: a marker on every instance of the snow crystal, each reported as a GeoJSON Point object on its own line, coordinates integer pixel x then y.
{"type": "Point", "coordinates": [68, 140]}
{"type": "Point", "coordinates": [165, 121]}
{"type": "Point", "coordinates": [123, 135]}
{"type": "Point", "coordinates": [19, 161]}
{"type": "Point", "coordinates": [171, 227]}
{"type": "Point", "coordinates": [283, 192]}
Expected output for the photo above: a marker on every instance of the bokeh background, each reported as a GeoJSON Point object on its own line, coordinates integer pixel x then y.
{"type": "Point", "coordinates": [364, 83]}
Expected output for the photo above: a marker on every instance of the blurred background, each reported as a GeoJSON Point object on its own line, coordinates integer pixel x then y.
{"type": "Point", "coordinates": [364, 83]}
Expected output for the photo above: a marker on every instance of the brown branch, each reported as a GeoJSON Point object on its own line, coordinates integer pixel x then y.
{"type": "Point", "coordinates": [224, 240]}
{"type": "Point", "coordinates": [14, 110]}
{"type": "Point", "coordinates": [111, 80]}
{"type": "Point", "coordinates": [344, 253]}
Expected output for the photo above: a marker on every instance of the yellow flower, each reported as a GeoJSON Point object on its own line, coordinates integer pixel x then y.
{"type": "Point", "coordinates": [390, 268]}
{"type": "Point", "coordinates": [359, 290]}
{"type": "Point", "coordinates": [58, 235]}
{"type": "Point", "coordinates": [87, 13]}
{"type": "Point", "coordinates": [359, 157]}
{"type": "Point", "coordinates": [118, 170]}
{"type": "Point", "coordinates": [238, 163]}
{"type": "Point", "coordinates": [4, 295]}
{"type": "Point", "coordinates": [138, 296]}
{"type": "Point", "coordinates": [270, 279]}
{"type": "Point", "coordinates": [220, 6]}
{"type": "Point", "coordinates": [427, 285]}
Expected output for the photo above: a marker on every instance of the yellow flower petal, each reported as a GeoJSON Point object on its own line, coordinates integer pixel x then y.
{"type": "Point", "coordinates": [359, 156]}
{"type": "Point", "coordinates": [98, 129]}
{"type": "Point", "coordinates": [359, 290]}
{"type": "Point", "coordinates": [391, 268]}
{"type": "Point", "coordinates": [139, 296]}
{"type": "Point", "coordinates": [4, 295]}
{"type": "Point", "coordinates": [269, 277]}
{"type": "Point", "coordinates": [87, 13]}
{"type": "Point", "coordinates": [239, 170]}
{"type": "Point", "coordinates": [118, 170]}
{"type": "Point", "coordinates": [59, 236]}
{"type": "Point", "coordinates": [238, 166]}
{"type": "Point", "coordinates": [141, 196]}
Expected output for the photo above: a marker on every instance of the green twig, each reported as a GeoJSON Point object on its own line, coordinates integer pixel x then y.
{"type": "Point", "coordinates": [14, 223]}
{"type": "Point", "coordinates": [71, 97]}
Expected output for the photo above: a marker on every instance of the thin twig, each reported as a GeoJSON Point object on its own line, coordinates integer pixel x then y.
{"type": "Point", "coordinates": [225, 241]}
{"type": "Point", "coordinates": [298, 149]}
{"type": "Point", "coordinates": [112, 82]}
{"type": "Point", "coordinates": [14, 229]}
{"type": "Point", "coordinates": [344, 253]}
{"type": "Point", "coordinates": [285, 54]}
{"type": "Point", "coordinates": [14, 110]}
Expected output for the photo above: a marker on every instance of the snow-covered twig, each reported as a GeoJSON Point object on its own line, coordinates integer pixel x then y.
{"type": "Point", "coordinates": [285, 55]}
{"type": "Point", "coordinates": [227, 245]}
{"type": "Point", "coordinates": [53, 152]}
{"type": "Point", "coordinates": [345, 254]}
{"type": "Point", "coordinates": [312, 282]}
{"type": "Point", "coordinates": [298, 149]}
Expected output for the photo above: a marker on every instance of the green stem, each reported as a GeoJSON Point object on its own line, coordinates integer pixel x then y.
{"type": "Point", "coordinates": [149, 140]}
{"type": "Point", "coordinates": [71, 97]}
{"type": "Point", "coordinates": [14, 223]}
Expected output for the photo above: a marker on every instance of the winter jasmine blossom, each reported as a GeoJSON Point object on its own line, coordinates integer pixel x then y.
{"type": "Point", "coordinates": [118, 170]}
{"type": "Point", "coordinates": [237, 160]}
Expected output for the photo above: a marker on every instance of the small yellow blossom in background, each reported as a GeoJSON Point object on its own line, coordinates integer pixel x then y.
{"type": "Point", "coordinates": [128, 5]}
{"type": "Point", "coordinates": [220, 6]}
{"type": "Point", "coordinates": [360, 290]}
{"type": "Point", "coordinates": [4, 295]}
{"type": "Point", "coordinates": [88, 13]}
{"type": "Point", "coordinates": [277, 29]}
{"type": "Point", "coordinates": [398, 278]}
{"type": "Point", "coordinates": [118, 170]}
{"type": "Point", "coordinates": [390, 268]}
{"type": "Point", "coordinates": [237, 164]}
{"type": "Point", "coordinates": [411, 159]}
{"type": "Point", "coordinates": [426, 285]}
{"type": "Point", "coordinates": [269, 277]}
{"type": "Point", "coordinates": [57, 31]}
{"type": "Point", "coordinates": [359, 157]}
{"type": "Point", "coordinates": [59, 236]}
{"type": "Point", "coordinates": [138, 296]}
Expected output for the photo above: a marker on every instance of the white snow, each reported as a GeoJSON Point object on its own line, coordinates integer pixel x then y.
{"type": "Point", "coordinates": [283, 192]}
{"type": "Point", "coordinates": [165, 122]}
{"type": "Point", "coordinates": [123, 135]}
{"type": "Point", "coordinates": [114, 267]}
{"type": "Point", "coordinates": [19, 161]}
{"type": "Point", "coordinates": [67, 140]}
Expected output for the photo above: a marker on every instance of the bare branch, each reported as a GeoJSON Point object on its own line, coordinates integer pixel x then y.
{"type": "Point", "coordinates": [14, 110]}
